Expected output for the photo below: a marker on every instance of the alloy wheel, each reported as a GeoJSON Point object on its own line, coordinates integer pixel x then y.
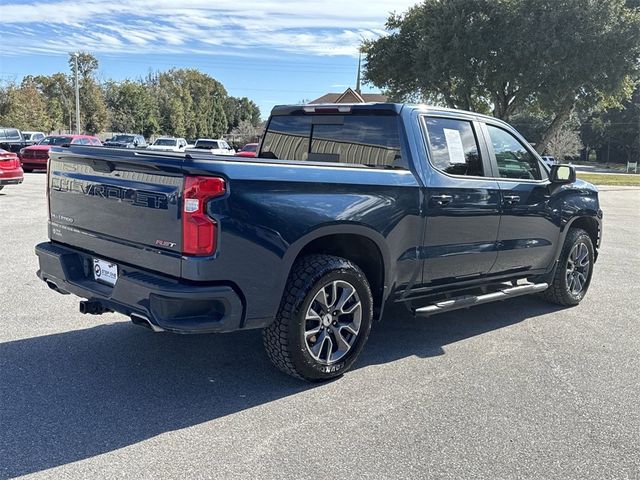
{"type": "Point", "coordinates": [332, 322]}
{"type": "Point", "coordinates": [578, 266]}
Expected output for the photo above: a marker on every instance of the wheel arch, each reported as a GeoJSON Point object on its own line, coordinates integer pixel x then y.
{"type": "Point", "coordinates": [590, 224]}
{"type": "Point", "coordinates": [363, 246]}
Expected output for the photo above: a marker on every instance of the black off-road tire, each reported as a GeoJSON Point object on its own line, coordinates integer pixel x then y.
{"type": "Point", "coordinates": [558, 291]}
{"type": "Point", "coordinates": [284, 339]}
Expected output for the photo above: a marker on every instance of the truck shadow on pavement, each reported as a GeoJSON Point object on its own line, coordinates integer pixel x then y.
{"type": "Point", "coordinates": [75, 395]}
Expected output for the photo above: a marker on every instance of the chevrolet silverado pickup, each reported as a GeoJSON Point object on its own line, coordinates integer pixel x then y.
{"type": "Point", "coordinates": [345, 209]}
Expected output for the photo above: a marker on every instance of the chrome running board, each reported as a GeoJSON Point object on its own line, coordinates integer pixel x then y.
{"type": "Point", "coordinates": [468, 301]}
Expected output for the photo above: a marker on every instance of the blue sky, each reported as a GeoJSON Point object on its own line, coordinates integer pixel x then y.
{"type": "Point", "coordinates": [273, 52]}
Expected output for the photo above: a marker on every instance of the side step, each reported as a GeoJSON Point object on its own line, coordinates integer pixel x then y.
{"type": "Point", "coordinates": [473, 300]}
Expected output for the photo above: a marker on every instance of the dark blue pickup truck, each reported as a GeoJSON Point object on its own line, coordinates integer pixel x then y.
{"type": "Point", "coordinates": [346, 209]}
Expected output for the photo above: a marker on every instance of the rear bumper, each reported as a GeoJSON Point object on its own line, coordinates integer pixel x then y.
{"type": "Point", "coordinates": [34, 162]}
{"type": "Point", "coordinates": [167, 303]}
{"type": "Point", "coordinates": [11, 177]}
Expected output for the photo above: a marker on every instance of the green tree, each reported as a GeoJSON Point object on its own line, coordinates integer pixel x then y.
{"type": "Point", "coordinates": [87, 64]}
{"type": "Point", "coordinates": [505, 55]}
{"type": "Point", "coordinates": [191, 104]}
{"type": "Point", "coordinates": [24, 107]}
{"type": "Point", "coordinates": [531, 124]}
{"type": "Point", "coordinates": [58, 91]}
{"type": "Point", "coordinates": [132, 108]}
{"type": "Point", "coordinates": [614, 133]}
{"type": "Point", "coordinates": [238, 110]}
{"type": "Point", "coordinates": [93, 108]}
{"type": "Point", "coordinates": [186, 103]}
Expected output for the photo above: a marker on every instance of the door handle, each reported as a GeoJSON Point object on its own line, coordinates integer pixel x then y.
{"type": "Point", "coordinates": [442, 199]}
{"type": "Point", "coordinates": [511, 199]}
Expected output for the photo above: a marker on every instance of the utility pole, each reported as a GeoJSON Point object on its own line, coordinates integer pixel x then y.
{"type": "Point", "coordinates": [358, 79]}
{"type": "Point", "coordinates": [75, 58]}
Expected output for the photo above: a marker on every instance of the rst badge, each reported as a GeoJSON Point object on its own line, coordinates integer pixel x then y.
{"type": "Point", "coordinates": [165, 244]}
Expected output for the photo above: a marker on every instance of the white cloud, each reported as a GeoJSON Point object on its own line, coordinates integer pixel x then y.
{"type": "Point", "coordinates": [164, 26]}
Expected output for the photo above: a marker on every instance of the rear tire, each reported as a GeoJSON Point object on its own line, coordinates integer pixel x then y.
{"type": "Point", "coordinates": [573, 273]}
{"type": "Point", "coordinates": [324, 319]}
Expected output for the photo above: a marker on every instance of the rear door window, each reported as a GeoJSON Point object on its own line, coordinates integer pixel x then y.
{"type": "Point", "coordinates": [372, 140]}
{"type": "Point", "coordinates": [453, 146]}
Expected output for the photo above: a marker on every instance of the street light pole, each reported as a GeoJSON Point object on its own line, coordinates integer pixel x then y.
{"type": "Point", "coordinates": [75, 58]}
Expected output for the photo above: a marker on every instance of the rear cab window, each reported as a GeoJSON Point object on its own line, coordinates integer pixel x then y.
{"type": "Point", "coordinates": [207, 144]}
{"type": "Point", "coordinates": [10, 134]}
{"type": "Point", "coordinates": [360, 139]}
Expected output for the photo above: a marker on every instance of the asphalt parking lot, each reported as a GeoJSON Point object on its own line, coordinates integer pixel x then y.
{"type": "Point", "coordinates": [519, 389]}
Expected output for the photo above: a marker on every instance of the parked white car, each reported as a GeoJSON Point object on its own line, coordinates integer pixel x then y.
{"type": "Point", "coordinates": [215, 147]}
{"type": "Point", "coordinates": [31, 138]}
{"type": "Point", "coordinates": [169, 144]}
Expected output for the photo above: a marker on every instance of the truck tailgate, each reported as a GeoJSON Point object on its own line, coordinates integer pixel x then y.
{"type": "Point", "coordinates": [122, 207]}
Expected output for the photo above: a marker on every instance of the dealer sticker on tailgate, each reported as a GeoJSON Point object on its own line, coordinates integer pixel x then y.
{"type": "Point", "coordinates": [105, 272]}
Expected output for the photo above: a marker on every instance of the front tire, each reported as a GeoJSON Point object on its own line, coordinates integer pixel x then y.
{"type": "Point", "coordinates": [573, 273]}
{"type": "Point", "coordinates": [324, 319]}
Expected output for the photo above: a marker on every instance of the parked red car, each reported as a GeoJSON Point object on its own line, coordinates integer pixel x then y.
{"type": "Point", "coordinates": [250, 150]}
{"type": "Point", "coordinates": [10, 169]}
{"type": "Point", "coordinates": [36, 156]}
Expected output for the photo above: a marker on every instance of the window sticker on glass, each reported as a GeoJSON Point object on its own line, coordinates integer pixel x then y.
{"type": "Point", "coordinates": [456, 149]}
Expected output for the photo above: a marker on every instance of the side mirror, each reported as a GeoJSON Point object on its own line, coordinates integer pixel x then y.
{"type": "Point", "coordinates": [562, 174]}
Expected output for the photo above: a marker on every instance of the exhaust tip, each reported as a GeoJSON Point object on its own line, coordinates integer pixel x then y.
{"type": "Point", "coordinates": [55, 287]}
{"type": "Point", "coordinates": [145, 322]}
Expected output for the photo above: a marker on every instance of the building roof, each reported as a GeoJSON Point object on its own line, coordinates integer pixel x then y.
{"type": "Point", "coordinates": [351, 96]}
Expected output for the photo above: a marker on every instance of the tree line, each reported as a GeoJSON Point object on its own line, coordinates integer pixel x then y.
{"type": "Point", "coordinates": [179, 102]}
{"type": "Point", "coordinates": [565, 71]}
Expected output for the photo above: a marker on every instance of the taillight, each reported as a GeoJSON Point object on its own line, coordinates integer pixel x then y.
{"type": "Point", "coordinates": [199, 231]}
